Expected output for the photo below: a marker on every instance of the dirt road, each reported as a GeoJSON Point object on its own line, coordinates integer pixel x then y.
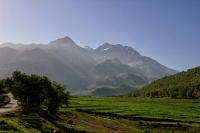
{"type": "Point", "coordinates": [10, 106]}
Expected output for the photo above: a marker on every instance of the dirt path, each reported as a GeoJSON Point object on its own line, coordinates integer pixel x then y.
{"type": "Point", "coordinates": [10, 106]}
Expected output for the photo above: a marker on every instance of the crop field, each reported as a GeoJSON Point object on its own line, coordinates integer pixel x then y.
{"type": "Point", "coordinates": [116, 115]}
{"type": "Point", "coordinates": [162, 108]}
{"type": "Point", "coordinates": [131, 115]}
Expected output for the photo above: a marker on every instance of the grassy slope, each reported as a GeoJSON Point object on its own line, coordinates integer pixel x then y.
{"type": "Point", "coordinates": [182, 84]}
{"type": "Point", "coordinates": [14, 124]}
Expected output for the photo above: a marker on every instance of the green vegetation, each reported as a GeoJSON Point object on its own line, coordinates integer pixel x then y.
{"type": "Point", "coordinates": [120, 84]}
{"type": "Point", "coordinates": [133, 114]}
{"type": "Point", "coordinates": [43, 100]}
{"type": "Point", "coordinates": [3, 99]}
{"type": "Point", "coordinates": [15, 124]}
{"type": "Point", "coordinates": [35, 93]}
{"type": "Point", "coordinates": [117, 114]}
{"type": "Point", "coordinates": [39, 99]}
{"type": "Point", "coordinates": [2, 87]}
{"type": "Point", "coordinates": [128, 79]}
{"type": "Point", "coordinates": [105, 91]}
{"type": "Point", "coordinates": [163, 108]}
{"type": "Point", "coordinates": [181, 85]}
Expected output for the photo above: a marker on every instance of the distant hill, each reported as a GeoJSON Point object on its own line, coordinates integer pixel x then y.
{"type": "Point", "coordinates": [119, 84]}
{"type": "Point", "coordinates": [128, 79]}
{"type": "Point", "coordinates": [181, 85]}
{"type": "Point", "coordinates": [23, 46]}
{"type": "Point", "coordinates": [110, 68]}
{"type": "Point", "coordinates": [106, 91]}
{"type": "Point", "coordinates": [6, 55]}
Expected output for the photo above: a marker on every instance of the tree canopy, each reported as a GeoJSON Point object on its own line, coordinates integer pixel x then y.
{"type": "Point", "coordinates": [181, 85]}
{"type": "Point", "coordinates": [2, 87]}
{"type": "Point", "coordinates": [34, 93]}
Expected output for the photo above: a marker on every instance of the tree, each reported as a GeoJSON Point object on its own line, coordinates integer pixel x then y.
{"type": "Point", "coordinates": [2, 87]}
{"type": "Point", "coordinates": [62, 95]}
{"type": "Point", "coordinates": [35, 93]}
{"type": "Point", "coordinates": [189, 93]}
{"type": "Point", "coordinates": [56, 97]}
{"type": "Point", "coordinates": [182, 93]}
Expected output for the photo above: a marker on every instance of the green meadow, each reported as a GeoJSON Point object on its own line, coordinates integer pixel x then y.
{"type": "Point", "coordinates": [163, 108]}
{"type": "Point", "coordinates": [115, 115]}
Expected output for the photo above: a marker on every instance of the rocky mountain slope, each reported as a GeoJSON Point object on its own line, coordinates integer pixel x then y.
{"type": "Point", "coordinates": [110, 68]}
{"type": "Point", "coordinates": [127, 55]}
{"type": "Point", "coordinates": [39, 62]}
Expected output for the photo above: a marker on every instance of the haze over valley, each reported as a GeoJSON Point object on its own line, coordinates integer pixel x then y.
{"type": "Point", "coordinates": [83, 68]}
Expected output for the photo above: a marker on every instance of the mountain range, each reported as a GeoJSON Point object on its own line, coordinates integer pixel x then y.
{"type": "Point", "coordinates": [62, 60]}
{"type": "Point", "coordinates": [127, 55]}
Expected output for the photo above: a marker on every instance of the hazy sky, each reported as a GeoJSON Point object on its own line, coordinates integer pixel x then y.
{"type": "Point", "coordinates": [165, 30]}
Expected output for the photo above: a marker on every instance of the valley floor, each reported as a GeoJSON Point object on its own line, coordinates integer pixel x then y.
{"type": "Point", "coordinates": [117, 115]}
{"type": "Point", "coordinates": [131, 115]}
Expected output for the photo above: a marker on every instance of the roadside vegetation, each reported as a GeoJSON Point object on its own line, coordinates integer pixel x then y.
{"type": "Point", "coordinates": [37, 97]}
{"type": "Point", "coordinates": [3, 98]}
{"type": "Point", "coordinates": [36, 94]}
{"type": "Point", "coordinates": [2, 87]}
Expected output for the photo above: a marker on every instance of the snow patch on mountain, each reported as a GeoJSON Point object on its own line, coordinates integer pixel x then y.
{"type": "Point", "coordinates": [106, 49]}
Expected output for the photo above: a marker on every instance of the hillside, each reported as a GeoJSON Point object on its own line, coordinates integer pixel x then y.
{"type": "Point", "coordinates": [181, 85]}
{"type": "Point", "coordinates": [109, 91]}
{"type": "Point", "coordinates": [124, 78]}
{"type": "Point", "coordinates": [110, 68]}
{"type": "Point", "coordinates": [6, 55]}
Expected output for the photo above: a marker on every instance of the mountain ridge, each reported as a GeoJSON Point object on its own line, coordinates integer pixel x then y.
{"type": "Point", "coordinates": [127, 55]}
{"type": "Point", "coordinates": [78, 67]}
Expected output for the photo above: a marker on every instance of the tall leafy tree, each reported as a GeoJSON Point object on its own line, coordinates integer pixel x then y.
{"type": "Point", "coordinates": [35, 93]}
{"type": "Point", "coordinates": [2, 87]}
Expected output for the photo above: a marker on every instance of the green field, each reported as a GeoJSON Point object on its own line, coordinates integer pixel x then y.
{"type": "Point", "coordinates": [116, 115]}
{"type": "Point", "coordinates": [176, 109]}
{"type": "Point", "coordinates": [131, 115]}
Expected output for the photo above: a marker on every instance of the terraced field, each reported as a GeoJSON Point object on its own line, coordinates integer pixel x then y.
{"type": "Point", "coordinates": [115, 115]}
{"type": "Point", "coordinates": [138, 114]}
{"type": "Point", "coordinates": [163, 108]}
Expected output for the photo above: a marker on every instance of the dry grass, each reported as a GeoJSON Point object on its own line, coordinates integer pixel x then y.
{"type": "Point", "coordinates": [99, 124]}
